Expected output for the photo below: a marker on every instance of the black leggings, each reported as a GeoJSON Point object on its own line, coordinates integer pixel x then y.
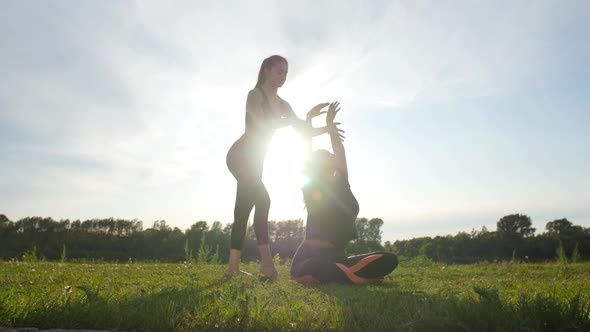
{"type": "Point", "coordinates": [247, 169]}
{"type": "Point", "coordinates": [312, 265]}
{"type": "Point", "coordinates": [250, 193]}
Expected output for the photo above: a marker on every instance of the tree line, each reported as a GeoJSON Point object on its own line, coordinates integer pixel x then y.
{"type": "Point", "coordinates": [513, 239]}
{"type": "Point", "coordinates": [121, 240]}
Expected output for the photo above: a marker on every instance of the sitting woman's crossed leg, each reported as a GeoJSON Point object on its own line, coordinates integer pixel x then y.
{"type": "Point", "coordinates": [319, 265]}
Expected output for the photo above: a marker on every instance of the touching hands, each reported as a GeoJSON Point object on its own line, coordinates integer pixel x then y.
{"type": "Point", "coordinates": [331, 126]}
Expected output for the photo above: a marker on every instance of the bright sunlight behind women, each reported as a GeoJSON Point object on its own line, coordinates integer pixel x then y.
{"type": "Point", "coordinates": [283, 174]}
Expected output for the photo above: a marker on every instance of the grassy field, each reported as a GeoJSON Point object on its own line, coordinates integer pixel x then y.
{"type": "Point", "coordinates": [418, 296]}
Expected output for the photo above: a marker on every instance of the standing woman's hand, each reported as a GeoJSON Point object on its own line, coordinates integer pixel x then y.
{"type": "Point", "coordinates": [316, 110]}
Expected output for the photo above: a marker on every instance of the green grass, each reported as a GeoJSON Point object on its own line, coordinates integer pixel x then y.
{"type": "Point", "coordinates": [418, 296]}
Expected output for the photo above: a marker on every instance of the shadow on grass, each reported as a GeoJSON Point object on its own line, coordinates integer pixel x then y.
{"type": "Point", "coordinates": [94, 308]}
{"type": "Point", "coordinates": [248, 304]}
{"type": "Point", "coordinates": [387, 307]}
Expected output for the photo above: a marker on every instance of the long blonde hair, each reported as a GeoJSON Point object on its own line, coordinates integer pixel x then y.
{"type": "Point", "coordinates": [267, 64]}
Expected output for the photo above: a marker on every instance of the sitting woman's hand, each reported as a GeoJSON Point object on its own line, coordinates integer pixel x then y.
{"type": "Point", "coordinates": [334, 130]}
{"type": "Point", "coordinates": [332, 110]}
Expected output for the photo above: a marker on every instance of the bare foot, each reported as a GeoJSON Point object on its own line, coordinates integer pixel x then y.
{"type": "Point", "coordinates": [269, 271]}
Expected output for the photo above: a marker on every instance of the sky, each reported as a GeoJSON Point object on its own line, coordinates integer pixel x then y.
{"type": "Point", "coordinates": [456, 113]}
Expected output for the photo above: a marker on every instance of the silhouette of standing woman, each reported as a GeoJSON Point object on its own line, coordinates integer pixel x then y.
{"type": "Point", "coordinates": [265, 112]}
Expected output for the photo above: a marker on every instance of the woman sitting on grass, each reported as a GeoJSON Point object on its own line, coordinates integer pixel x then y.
{"type": "Point", "coordinates": [331, 214]}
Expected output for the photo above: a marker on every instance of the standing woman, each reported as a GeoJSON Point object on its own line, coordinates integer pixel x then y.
{"type": "Point", "coordinates": [265, 112]}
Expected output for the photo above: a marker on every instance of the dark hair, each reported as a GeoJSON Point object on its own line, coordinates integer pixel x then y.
{"type": "Point", "coordinates": [267, 64]}
{"type": "Point", "coordinates": [314, 169]}
{"type": "Point", "coordinates": [317, 162]}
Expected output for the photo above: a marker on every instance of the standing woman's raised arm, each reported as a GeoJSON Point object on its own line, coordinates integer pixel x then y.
{"type": "Point", "coordinates": [304, 127]}
{"type": "Point", "coordinates": [290, 118]}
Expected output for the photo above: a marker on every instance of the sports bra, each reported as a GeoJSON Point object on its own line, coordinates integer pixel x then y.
{"type": "Point", "coordinates": [269, 115]}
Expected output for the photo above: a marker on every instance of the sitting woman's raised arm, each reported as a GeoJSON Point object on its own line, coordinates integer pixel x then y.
{"type": "Point", "coordinates": [337, 138]}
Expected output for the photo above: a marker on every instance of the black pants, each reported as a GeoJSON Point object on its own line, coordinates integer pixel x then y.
{"type": "Point", "coordinates": [245, 162]}
{"type": "Point", "coordinates": [322, 265]}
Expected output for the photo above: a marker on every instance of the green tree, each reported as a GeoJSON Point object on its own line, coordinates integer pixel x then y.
{"type": "Point", "coordinates": [362, 225]}
{"type": "Point", "coordinates": [288, 236]}
{"type": "Point", "coordinates": [374, 230]}
{"type": "Point", "coordinates": [515, 226]}
{"type": "Point", "coordinates": [559, 226]}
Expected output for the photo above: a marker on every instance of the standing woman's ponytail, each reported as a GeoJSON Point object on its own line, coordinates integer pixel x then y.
{"type": "Point", "coordinates": [267, 64]}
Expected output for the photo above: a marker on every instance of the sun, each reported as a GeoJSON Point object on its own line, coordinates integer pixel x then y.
{"type": "Point", "coordinates": [283, 175]}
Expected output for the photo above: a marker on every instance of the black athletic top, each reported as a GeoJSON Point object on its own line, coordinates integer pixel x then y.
{"type": "Point", "coordinates": [250, 149]}
{"type": "Point", "coordinates": [331, 211]}
{"type": "Point", "coordinates": [266, 132]}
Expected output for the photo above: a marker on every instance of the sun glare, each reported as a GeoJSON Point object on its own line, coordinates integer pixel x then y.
{"type": "Point", "coordinates": [283, 175]}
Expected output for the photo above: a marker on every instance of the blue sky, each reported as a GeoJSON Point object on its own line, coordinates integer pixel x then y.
{"type": "Point", "coordinates": [455, 114]}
